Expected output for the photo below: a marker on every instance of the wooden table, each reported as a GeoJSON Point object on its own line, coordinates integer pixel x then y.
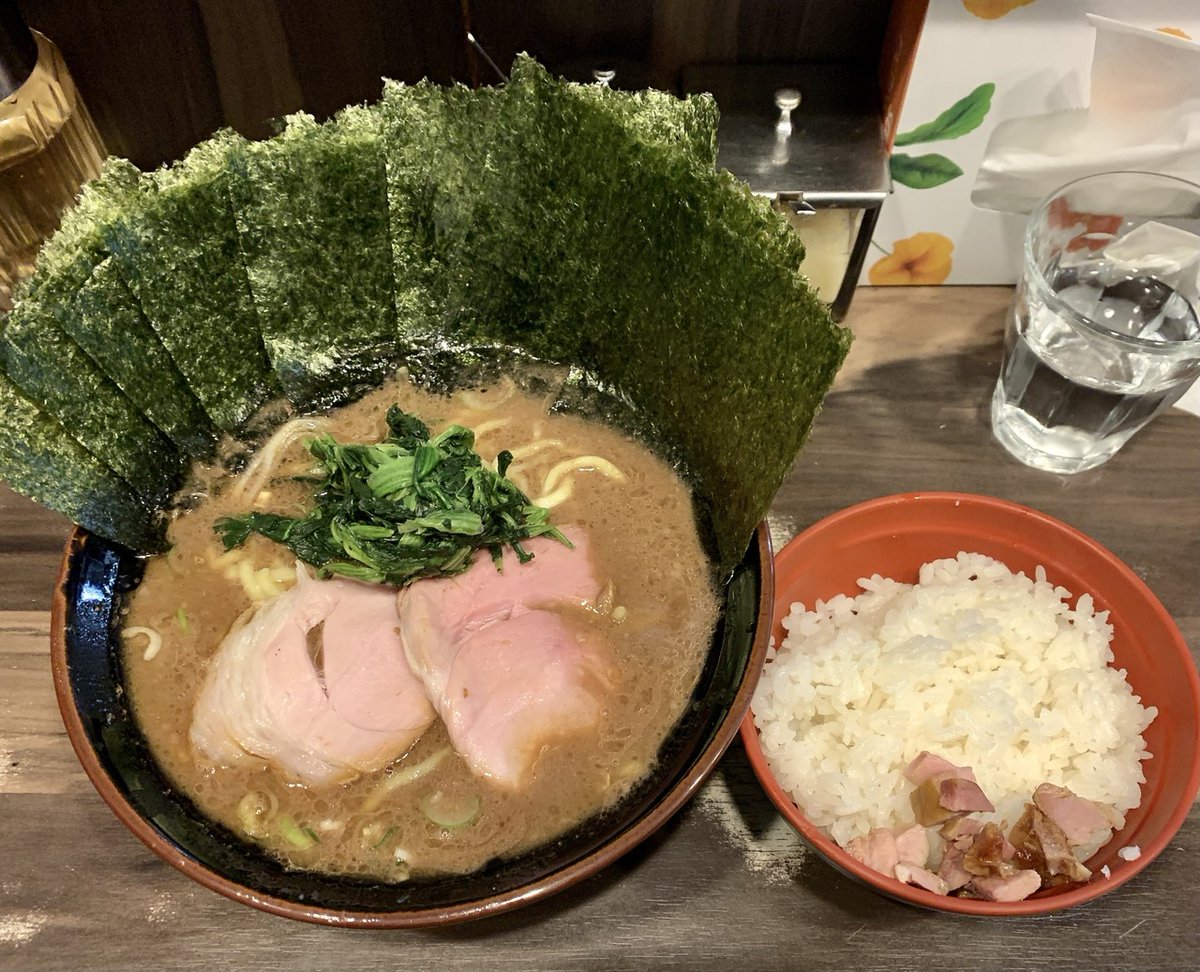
{"type": "Point", "coordinates": [726, 885]}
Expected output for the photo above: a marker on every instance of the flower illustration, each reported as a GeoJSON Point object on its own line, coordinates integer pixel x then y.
{"type": "Point", "coordinates": [934, 169]}
{"type": "Point", "coordinates": [923, 258]}
{"type": "Point", "coordinates": [993, 9]}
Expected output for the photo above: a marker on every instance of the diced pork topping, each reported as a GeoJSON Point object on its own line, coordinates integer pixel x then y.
{"type": "Point", "coordinates": [960, 827]}
{"type": "Point", "coordinates": [912, 846]}
{"type": "Point", "coordinates": [877, 850]}
{"type": "Point", "coordinates": [941, 797]}
{"type": "Point", "coordinates": [1042, 846]}
{"type": "Point", "coordinates": [951, 870]}
{"type": "Point", "coordinates": [985, 856]}
{"type": "Point", "coordinates": [963, 796]}
{"type": "Point", "coordinates": [929, 764]}
{"type": "Point", "coordinates": [1046, 847]}
{"type": "Point", "coordinates": [1015, 887]}
{"type": "Point", "coordinates": [921, 878]}
{"type": "Point", "coordinates": [1081, 821]}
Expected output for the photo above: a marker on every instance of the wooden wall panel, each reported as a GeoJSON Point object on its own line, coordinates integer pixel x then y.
{"type": "Point", "coordinates": [341, 50]}
{"type": "Point", "coordinates": [783, 30]}
{"type": "Point", "coordinates": [144, 68]}
{"type": "Point", "coordinates": [253, 65]}
{"type": "Point", "coordinates": [685, 33]}
{"type": "Point", "coordinates": [160, 75]}
{"type": "Point", "coordinates": [564, 34]}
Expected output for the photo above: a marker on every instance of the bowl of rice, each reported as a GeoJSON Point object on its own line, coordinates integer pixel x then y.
{"type": "Point", "coordinates": [931, 637]}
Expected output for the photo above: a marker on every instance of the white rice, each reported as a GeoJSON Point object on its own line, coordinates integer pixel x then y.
{"type": "Point", "coordinates": [989, 669]}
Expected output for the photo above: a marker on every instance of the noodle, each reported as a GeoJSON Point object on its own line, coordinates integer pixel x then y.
{"type": "Point", "coordinates": [257, 473]}
{"type": "Point", "coordinates": [386, 824]}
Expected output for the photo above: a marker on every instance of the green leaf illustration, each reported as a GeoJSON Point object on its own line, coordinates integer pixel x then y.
{"type": "Point", "coordinates": [923, 171]}
{"type": "Point", "coordinates": [965, 115]}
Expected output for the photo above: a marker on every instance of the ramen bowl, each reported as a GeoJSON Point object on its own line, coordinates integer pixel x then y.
{"type": "Point", "coordinates": [893, 536]}
{"type": "Point", "coordinates": [96, 577]}
{"type": "Point", "coordinates": [433, 242]}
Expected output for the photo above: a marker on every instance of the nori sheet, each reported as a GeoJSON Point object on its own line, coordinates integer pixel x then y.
{"type": "Point", "coordinates": [66, 260]}
{"type": "Point", "coordinates": [597, 243]}
{"type": "Point", "coordinates": [655, 117]}
{"type": "Point", "coordinates": [39, 459]}
{"type": "Point", "coordinates": [77, 281]}
{"type": "Point", "coordinates": [180, 253]}
{"type": "Point", "coordinates": [435, 139]}
{"type": "Point", "coordinates": [53, 371]}
{"type": "Point", "coordinates": [106, 320]}
{"type": "Point", "coordinates": [311, 206]}
{"type": "Point", "coordinates": [439, 142]}
{"type": "Point", "coordinates": [564, 221]}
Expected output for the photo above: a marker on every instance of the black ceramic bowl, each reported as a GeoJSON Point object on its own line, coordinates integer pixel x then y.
{"type": "Point", "coordinates": [96, 576]}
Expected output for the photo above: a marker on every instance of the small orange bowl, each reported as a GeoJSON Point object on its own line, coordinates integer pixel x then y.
{"type": "Point", "coordinates": [893, 536]}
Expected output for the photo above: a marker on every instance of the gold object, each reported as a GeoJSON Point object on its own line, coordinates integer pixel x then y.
{"type": "Point", "coordinates": [49, 147]}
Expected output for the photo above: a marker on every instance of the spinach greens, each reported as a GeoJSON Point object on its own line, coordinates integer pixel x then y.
{"type": "Point", "coordinates": [408, 507]}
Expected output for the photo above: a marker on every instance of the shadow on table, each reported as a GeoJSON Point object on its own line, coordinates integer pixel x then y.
{"type": "Point", "coordinates": [556, 905]}
{"type": "Point", "coordinates": [809, 872]}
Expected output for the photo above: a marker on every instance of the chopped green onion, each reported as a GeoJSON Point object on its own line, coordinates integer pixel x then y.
{"type": "Point", "coordinates": [299, 837]}
{"type": "Point", "coordinates": [386, 834]}
{"type": "Point", "coordinates": [181, 619]}
{"type": "Point", "coordinates": [402, 777]}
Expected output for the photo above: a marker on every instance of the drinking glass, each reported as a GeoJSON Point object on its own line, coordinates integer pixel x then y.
{"type": "Point", "coordinates": [1103, 331]}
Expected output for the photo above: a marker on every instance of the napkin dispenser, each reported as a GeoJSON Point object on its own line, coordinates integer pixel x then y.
{"type": "Point", "coordinates": [811, 138]}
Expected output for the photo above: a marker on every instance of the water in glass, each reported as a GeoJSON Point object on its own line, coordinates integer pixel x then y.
{"type": "Point", "coordinates": [1067, 401]}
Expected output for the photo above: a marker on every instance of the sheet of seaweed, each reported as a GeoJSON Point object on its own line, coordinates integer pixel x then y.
{"type": "Point", "coordinates": [563, 221]}
{"type": "Point", "coordinates": [311, 207]}
{"type": "Point", "coordinates": [179, 251]}
{"type": "Point", "coordinates": [40, 460]}
{"type": "Point", "coordinates": [656, 117]}
{"type": "Point", "coordinates": [434, 140]}
{"type": "Point", "coordinates": [594, 243]}
{"type": "Point", "coordinates": [76, 279]}
{"type": "Point", "coordinates": [438, 142]}
{"type": "Point", "coordinates": [54, 372]}
{"type": "Point", "coordinates": [106, 320]}
{"type": "Point", "coordinates": [66, 260]}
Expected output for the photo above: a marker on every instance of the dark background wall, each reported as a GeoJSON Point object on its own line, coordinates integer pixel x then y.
{"type": "Point", "coordinates": [160, 75]}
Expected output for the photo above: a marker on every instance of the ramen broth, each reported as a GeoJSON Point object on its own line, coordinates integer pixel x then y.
{"type": "Point", "coordinates": [656, 626]}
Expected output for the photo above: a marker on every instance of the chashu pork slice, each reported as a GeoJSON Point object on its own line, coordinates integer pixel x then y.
{"type": "Point", "coordinates": [505, 670]}
{"type": "Point", "coordinates": [265, 695]}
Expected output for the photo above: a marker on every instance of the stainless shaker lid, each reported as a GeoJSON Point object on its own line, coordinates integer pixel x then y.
{"type": "Point", "coordinates": [800, 130]}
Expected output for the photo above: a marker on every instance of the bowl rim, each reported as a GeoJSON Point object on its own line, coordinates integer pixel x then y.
{"type": "Point", "coordinates": [550, 884]}
{"type": "Point", "coordinates": [841, 860]}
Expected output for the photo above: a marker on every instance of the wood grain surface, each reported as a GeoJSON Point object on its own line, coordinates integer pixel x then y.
{"type": "Point", "coordinates": [160, 76]}
{"type": "Point", "coordinates": [726, 885]}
